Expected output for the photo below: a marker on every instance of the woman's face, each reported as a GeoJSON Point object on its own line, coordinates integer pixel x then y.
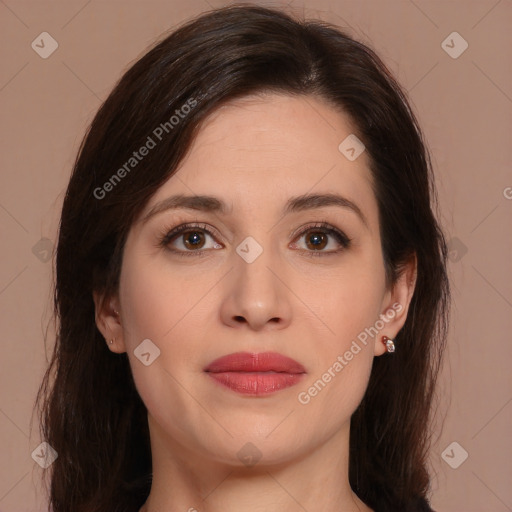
{"type": "Point", "coordinates": [275, 270]}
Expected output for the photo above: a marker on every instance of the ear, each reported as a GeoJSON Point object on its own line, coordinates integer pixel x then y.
{"type": "Point", "coordinates": [108, 321]}
{"type": "Point", "coordinates": [395, 305]}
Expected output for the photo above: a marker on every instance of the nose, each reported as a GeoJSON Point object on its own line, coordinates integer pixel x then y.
{"type": "Point", "coordinates": [256, 296]}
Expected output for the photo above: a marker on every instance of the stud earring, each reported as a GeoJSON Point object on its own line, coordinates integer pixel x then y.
{"type": "Point", "coordinates": [390, 344]}
{"type": "Point", "coordinates": [112, 341]}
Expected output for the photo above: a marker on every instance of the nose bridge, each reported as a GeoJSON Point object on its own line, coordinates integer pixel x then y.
{"type": "Point", "coordinates": [256, 294]}
{"type": "Point", "coordinates": [252, 269]}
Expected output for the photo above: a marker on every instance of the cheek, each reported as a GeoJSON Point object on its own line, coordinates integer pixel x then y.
{"type": "Point", "coordinates": [154, 298]}
{"type": "Point", "coordinates": [151, 311]}
{"type": "Point", "coordinates": [141, 296]}
{"type": "Point", "coordinates": [343, 359]}
{"type": "Point", "coordinates": [155, 307]}
{"type": "Point", "coordinates": [348, 303]}
{"type": "Point", "coordinates": [342, 362]}
{"type": "Point", "coordinates": [168, 306]}
{"type": "Point", "coordinates": [336, 387]}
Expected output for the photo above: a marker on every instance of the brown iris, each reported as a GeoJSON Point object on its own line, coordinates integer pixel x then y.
{"type": "Point", "coordinates": [192, 239]}
{"type": "Point", "coordinates": [318, 240]}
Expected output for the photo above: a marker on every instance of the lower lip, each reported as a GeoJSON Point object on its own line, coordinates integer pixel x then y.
{"type": "Point", "coordinates": [256, 383]}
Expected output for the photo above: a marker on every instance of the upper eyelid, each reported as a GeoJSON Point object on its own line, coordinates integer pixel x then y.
{"type": "Point", "coordinates": [316, 225]}
{"type": "Point", "coordinates": [201, 226]}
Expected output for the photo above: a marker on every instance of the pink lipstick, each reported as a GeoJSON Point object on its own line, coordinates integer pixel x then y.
{"type": "Point", "coordinates": [256, 374]}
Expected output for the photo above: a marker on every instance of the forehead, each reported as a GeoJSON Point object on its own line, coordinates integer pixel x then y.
{"type": "Point", "coordinates": [260, 150]}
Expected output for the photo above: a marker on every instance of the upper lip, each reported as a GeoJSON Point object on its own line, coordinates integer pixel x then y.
{"type": "Point", "coordinates": [255, 362]}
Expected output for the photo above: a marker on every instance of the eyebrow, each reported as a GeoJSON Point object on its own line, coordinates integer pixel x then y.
{"type": "Point", "coordinates": [294, 204]}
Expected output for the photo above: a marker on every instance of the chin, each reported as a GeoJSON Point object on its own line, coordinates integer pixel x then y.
{"type": "Point", "coordinates": [257, 449]}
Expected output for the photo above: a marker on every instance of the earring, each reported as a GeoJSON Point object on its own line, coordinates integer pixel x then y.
{"type": "Point", "coordinates": [112, 341]}
{"type": "Point", "coordinates": [390, 344]}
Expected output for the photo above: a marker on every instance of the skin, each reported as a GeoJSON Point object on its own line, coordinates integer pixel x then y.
{"type": "Point", "coordinates": [255, 154]}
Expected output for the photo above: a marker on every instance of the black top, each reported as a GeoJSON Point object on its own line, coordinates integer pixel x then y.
{"type": "Point", "coordinates": [420, 506]}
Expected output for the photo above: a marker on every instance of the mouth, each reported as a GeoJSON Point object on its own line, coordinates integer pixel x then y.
{"type": "Point", "coordinates": [256, 374]}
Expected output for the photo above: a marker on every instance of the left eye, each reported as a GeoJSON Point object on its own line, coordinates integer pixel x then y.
{"type": "Point", "coordinates": [319, 238]}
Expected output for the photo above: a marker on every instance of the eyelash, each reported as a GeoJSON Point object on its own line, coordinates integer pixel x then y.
{"type": "Point", "coordinates": [322, 227]}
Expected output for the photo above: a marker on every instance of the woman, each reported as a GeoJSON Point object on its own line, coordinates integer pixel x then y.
{"type": "Point", "coordinates": [250, 282]}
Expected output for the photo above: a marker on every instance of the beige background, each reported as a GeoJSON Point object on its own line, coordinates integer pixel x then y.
{"type": "Point", "coordinates": [464, 105]}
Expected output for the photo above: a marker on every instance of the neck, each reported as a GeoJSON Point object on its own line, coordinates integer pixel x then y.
{"type": "Point", "coordinates": [184, 480]}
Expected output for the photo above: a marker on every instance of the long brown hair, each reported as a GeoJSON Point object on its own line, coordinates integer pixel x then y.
{"type": "Point", "coordinates": [90, 411]}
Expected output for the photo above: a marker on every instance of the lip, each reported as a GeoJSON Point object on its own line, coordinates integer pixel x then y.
{"type": "Point", "coordinates": [256, 373]}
